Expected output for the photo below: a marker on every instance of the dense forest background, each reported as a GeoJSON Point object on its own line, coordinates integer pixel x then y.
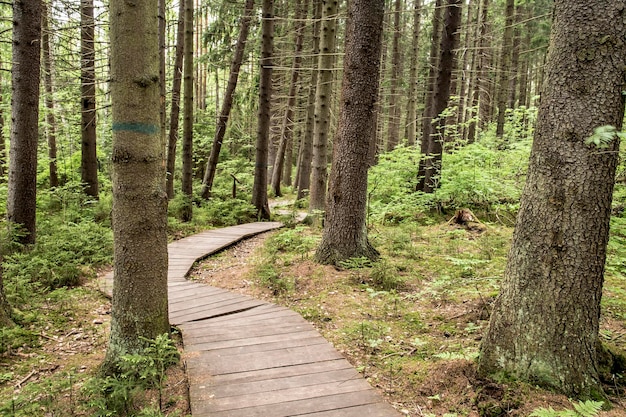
{"type": "Point", "coordinates": [456, 112]}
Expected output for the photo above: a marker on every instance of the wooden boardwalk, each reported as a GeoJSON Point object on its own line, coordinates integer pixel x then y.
{"type": "Point", "coordinates": [247, 357]}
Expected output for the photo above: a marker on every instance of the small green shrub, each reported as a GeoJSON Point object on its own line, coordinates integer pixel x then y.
{"type": "Point", "coordinates": [582, 409]}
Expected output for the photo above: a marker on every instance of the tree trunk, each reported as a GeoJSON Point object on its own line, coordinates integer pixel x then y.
{"type": "Point", "coordinates": [472, 107]}
{"type": "Point", "coordinates": [411, 123]}
{"type": "Point", "coordinates": [49, 98]}
{"type": "Point", "coordinates": [430, 93]}
{"type": "Point", "coordinates": [544, 326]}
{"type": "Point", "coordinates": [505, 66]}
{"type": "Point", "coordinates": [306, 149]}
{"type": "Point", "coordinates": [322, 105]}
{"type": "Point", "coordinates": [162, 76]}
{"type": "Point", "coordinates": [3, 148]}
{"type": "Point", "coordinates": [345, 233]}
{"type": "Point", "coordinates": [449, 41]}
{"type": "Point", "coordinates": [188, 115]}
{"type": "Point", "coordinates": [175, 106]}
{"type": "Point", "coordinates": [22, 192]}
{"type": "Point", "coordinates": [484, 60]}
{"type": "Point", "coordinates": [227, 105]}
{"type": "Point", "coordinates": [89, 159]}
{"type": "Point", "coordinates": [515, 52]}
{"type": "Point", "coordinates": [465, 71]}
{"type": "Point", "coordinates": [259, 189]}
{"type": "Point", "coordinates": [287, 124]}
{"type": "Point", "coordinates": [5, 308]}
{"type": "Point", "coordinates": [393, 131]}
{"type": "Point", "coordinates": [139, 217]}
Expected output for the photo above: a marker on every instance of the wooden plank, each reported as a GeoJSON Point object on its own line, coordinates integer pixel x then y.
{"type": "Point", "coordinates": [291, 408]}
{"type": "Point", "coordinates": [369, 410]}
{"type": "Point", "coordinates": [204, 299]}
{"type": "Point", "coordinates": [226, 364]}
{"type": "Point", "coordinates": [199, 372]}
{"type": "Point", "coordinates": [216, 310]}
{"type": "Point", "coordinates": [269, 387]}
{"type": "Point", "coordinates": [260, 344]}
{"type": "Point", "coordinates": [244, 332]}
{"type": "Point", "coordinates": [278, 319]}
{"type": "Point", "coordinates": [266, 310]}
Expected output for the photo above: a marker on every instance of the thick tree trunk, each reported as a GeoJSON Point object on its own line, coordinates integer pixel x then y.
{"type": "Point", "coordinates": [49, 98]}
{"type": "Point", "coordinates": [188, 115]}
{"type": "Point", "coordinates": [89, 159]}
{"type": "Point", "coordinates": [139, 305]}
{"type": "Point", "coordinates": [162, 75]}
{"type": "Point", "coordinates": [306, 148]}
{"type": "Point", "coordinates": [259, 189]}
{"type": "Point", "coordinates": [322, 106]}
{"type": "Point", "coordinates": [22, 192]}
{"type": "Point", "coordinates": [393, 131]}
{"type": "Point", "coordinates": [286, 131]}
{"type": "Point", "coordinates": [227, 105]}
{"type": "Point", "coordinates": [433, 61]}
{"type": "Point", "coordinates": [411, 119]}
{"type": "Point", "coordinates": [449, 41]}
{"type": "Point", "coordinates": [345, 234]}
{"type": "Point", "coordinates": [544, 327]}
{"type": "Point", "coordinates": [505, 67]}
{"type": "Point", "coordinates": [175, 106]}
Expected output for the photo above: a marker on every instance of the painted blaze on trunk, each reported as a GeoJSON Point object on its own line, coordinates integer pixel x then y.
{"type": "Point", "coordinates": [139, 307]}
{"type": "Point", "coordinates": [544, 328]}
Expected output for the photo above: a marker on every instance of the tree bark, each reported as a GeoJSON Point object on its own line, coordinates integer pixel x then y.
{"type": "Point", "coordinates": [259, 189]}
{"type": "Point", "coordinates": [306, 149]}
{"type": "Point", "coordinates": [449, 41]}
{"type": "Point", "coordinates": [139, 305]}
{"type": "Point", "coordinates": [49, 98]}
{"type": "Point", "coordinates": [345, 233]}
{"type": "Point", "coordinates": [89, 159]}
{"type": "Point", "coordinates": [317, 198]}
{"type": "Point", "coordinates": [411, 123]}
{"type": "Point", "coordinates": [505, 67]}
{"type": "Point", "coordinates": [484, 60]}
{"type": "Point", "coordinates": [286, 131]}
{"type": "Point", "coordinates": [22, 189]}
{"type": "Point", "coordinates": [544, 326]}
{"type": "Point", "coordinates": [188, 115]}
{"type": "Point", "coordinates": [175, 105]}
{"type": "Point", "coordinates": [430, 93]}
{"type": "Point", "coordinates": [227, 104]}
{"type": "Point", "coordinates": [393, 130]}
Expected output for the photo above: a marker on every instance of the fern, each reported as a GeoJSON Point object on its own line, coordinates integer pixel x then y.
{"type": "Point", "coordinates": [582, 409]}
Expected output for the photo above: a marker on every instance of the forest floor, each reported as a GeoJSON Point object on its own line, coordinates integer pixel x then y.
{"type": "Point", "coordinates": [411, 323]}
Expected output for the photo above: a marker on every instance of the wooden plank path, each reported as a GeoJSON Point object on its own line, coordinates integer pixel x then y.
{"type": "Point", "coordinates": [250, 358]}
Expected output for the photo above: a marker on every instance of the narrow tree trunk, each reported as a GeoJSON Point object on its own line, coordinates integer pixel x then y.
{"type": "Point", "coordinates": [89, 158]}
{"type": "Point", "coordinates": [162, 76]}
{"type": "Point", "coordinates": [472, 106]}
{"type": "Point", "coordinates": [175, 106]}
{"type": "Point", "coordinates": [3, 149]}
{"type": "Point", "coordinates": [227, 105]}
{"type": "Point", "coordinates": [345, 233]}
{"type": "Point", "coordinates": [306, 149]}
{"type": "Point", "coordinates": [5, 308]}
{"type": "Point", "coordinates": [505, 66]}
{"type": "Point", "coordinates": [322, 105]}
{"type": "Point", "coordinates": [411, 123]}
{"type": "Point", "coordinates": [544, 326]}
{"type": "Point", "coordinates": [465, 69]}
{"type": "Point", "coordinates": [49, 98]}
{"type": "Point", "coordinates": [287, 124]}
{"type": "Point", "coordinates": [188, 115]}
{"type": "Point", "coordinates": [515, 51]}
{"type": "Point", "coordinates": [259, 189]}
{"type": "Point", "coordinates": [22, 192]}
{"type": "Point", "coordinates": [484, 110]}
{"type": "Point", "coordinates": [433, 61]}
{"type": "Point", "coordinates": [393, 136]}
{"type": "Point", "coordinates": [139, 217]}
{"type": "Point", "coordinates": [449, 41]}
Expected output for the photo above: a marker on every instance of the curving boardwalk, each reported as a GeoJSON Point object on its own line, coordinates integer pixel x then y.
{"type": "Point", "coordinates": [250, 358]}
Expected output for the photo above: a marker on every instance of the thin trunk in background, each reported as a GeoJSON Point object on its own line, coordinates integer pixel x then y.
{"type": "Point", "coordinates": [286, 133]}
{"type": "Point", "coordinates": [175, 105]}
{"type": "Point", "coordinates": [393, 129]}
{"type": "Point", "coordinates": [306, 148]}
{"type": "Point", "coordinates": [89, 158]}
{"type": "Point", "coordinates": [259, 189]}
{"type": "Point", "coordinates": [317, 198]}
{"type": "Point", "coordinates": [411, 130]}
{"type": "Point", "coordinates": [25, 75]}
{"type": "Point", "coordinates": [484, 60]}
{"type": "Point", "coordinates": [220, 130]}
{"type": "Point", "coordinates": [49, 97]}
{"type": "Point", "coordinates": [188, 116]}
{"type": "Point", "coordinates": [505, 67]}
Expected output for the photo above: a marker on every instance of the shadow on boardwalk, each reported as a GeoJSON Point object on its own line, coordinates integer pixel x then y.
{"type": "Point", "coordinates": [247, 357]}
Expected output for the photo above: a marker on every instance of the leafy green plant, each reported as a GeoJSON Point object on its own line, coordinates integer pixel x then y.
{"type": "Point", "coordinates": [581, 409]}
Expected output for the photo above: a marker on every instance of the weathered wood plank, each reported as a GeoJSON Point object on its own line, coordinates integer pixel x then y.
{"type": "Point", "coordinates": [260, 344]}
{"type": "Point", "coordinates": [369, 410]}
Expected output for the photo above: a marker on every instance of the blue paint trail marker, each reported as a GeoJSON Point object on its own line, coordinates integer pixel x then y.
{"type": "Point", "coordinates": [145, 128]}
